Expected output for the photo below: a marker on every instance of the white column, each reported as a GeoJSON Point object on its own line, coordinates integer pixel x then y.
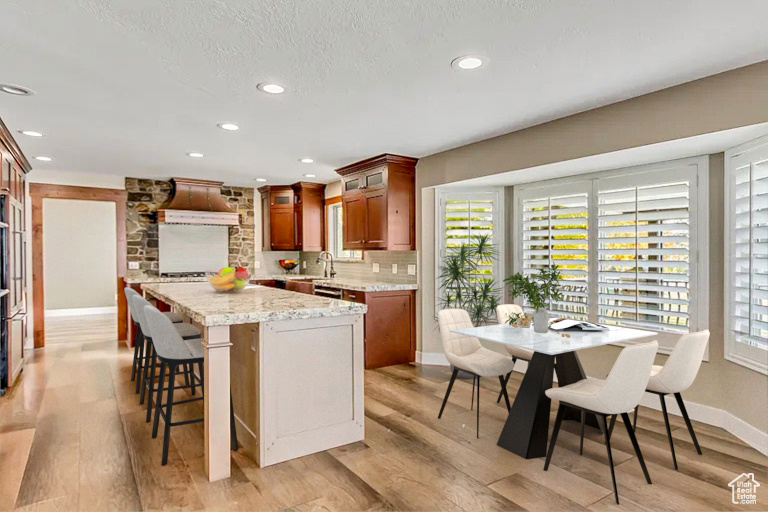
{"type": "Point", "coordinates": [217, 434]}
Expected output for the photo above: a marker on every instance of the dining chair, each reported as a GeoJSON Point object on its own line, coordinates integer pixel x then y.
{"type": "Point", "coordinates": [677, 375]}
{"type": "Point", "coordinates": [620, 392]}
{"type": "Point", "coordinates": [467, 354]}
{"type": "Point", "coordinates": [503, 312]}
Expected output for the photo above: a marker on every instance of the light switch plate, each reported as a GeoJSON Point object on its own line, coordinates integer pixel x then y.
{"type": "Point", "coordinates": [133, 265]}
{"type": "Point", "coordinates": [394, 268]}
{"type": "Point", "coordinates": [375, 268]}
{"type": "Point", "coordinates": [257, 264]}
{"type": "Point", "coordinates": [411, 270]}
{"type": "Point", "coordinates": [304, 264]}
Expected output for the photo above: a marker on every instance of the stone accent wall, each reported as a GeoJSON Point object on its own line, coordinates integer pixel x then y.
{"type": "Point", "coordinates": [146, 196]}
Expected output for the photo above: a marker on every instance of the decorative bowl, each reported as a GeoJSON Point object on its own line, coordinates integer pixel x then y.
{"type": "Point", "coordinates": [228, 279]}
{"type": "Point", "coordinates": [288, 264]}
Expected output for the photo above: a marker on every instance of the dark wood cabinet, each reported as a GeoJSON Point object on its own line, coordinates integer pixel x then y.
{"type": "Point", "coordinates": [300, 286]}
{"type": "Point", "coordinates": [293, 217]}
{"type": "Point", "coordinates": [379, 203]}
{"type": "Point", "coordinates": [390, 326]}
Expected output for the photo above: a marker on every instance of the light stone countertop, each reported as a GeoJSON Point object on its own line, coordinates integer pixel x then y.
{"type": "Point", "coordinates": [138, 277]}
{"type": "Point", "coordinates": [358, 285]}
{"type": "Point", "coordinates": [201, 303]}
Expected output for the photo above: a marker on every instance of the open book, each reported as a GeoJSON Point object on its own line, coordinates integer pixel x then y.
{"type": "Point", "coordinates": [576, 325]}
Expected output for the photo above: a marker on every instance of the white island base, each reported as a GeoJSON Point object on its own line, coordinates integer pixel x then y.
{"type": "Point", "coordinates": [297, 386]}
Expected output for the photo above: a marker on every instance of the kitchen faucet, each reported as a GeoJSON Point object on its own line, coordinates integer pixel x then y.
{"type": "Point", "coordinates": [325, 260]}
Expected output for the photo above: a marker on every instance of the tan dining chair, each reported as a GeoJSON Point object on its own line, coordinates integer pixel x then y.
{"type": "Point", "coordinates": [503, 313]}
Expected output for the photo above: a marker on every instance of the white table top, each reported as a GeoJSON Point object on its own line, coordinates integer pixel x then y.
{"type": "Point", "coordinates": [551, 343]}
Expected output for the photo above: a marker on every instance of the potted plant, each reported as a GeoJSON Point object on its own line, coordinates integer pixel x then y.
{"type": "Point", "coordinates": [537, 290]}
{"type": "Point", "coordinates": [466, 284]}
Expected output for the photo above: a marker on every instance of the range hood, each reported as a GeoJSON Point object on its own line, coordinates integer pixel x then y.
{"type": "Point", "coordinates": [197, 202]}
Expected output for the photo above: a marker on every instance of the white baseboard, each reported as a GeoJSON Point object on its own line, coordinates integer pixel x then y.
{"type": "Point", "coordinates": [80, 311]}
{"type": "Point", "coordinates": [699, 412]}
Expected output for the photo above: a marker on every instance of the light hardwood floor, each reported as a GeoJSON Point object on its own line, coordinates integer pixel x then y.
{"type": "Point", "coordinates": [73, 437]}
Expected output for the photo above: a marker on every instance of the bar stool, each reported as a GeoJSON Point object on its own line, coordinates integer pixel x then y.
{"type": "Point", "coordinates": [138, 344]}
{"type": "Point", "coordinates": [147, 380]}
{"type": "Point", "coordinates": [503, 312]}
{"type": "Point", "coordinates": [173, 352]}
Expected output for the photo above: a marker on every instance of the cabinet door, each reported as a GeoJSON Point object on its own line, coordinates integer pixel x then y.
{"type": "Point", "coordinates": [354, 296]}
{"type": "Point", "coordinates": [266, 234]}
{"type": "Point", "coordinates": [298, 228]}
{"type": "Point", "coordinates": [281, 199]}
{"type": "Point", "coordinates": [376, 219]}
{"type": "Point", "coordinates": [353, 212]}
{"type": "Point", "coordinates": [352, 184]}
{"type": "Point", "coordinates": [389, 329]}
{"type": "Point", "coordinates": [281, 229]}
{"type": "Point", "coordinates": [5, 173]}
{"type": "Point", "coordinates": [375, 179]}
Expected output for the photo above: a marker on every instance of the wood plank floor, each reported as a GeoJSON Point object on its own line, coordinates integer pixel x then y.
{"type": "Point", "coordinates": [73, 437]}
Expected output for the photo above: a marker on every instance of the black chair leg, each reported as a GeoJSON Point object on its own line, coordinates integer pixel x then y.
{"type": "Point", "coordinates": [148, 352]}
{"type": "Point", "coordinates": [478, 407]}
{"type": "Point", "coordinates": [613, 422]}
{"type": "Point", "coordinates": [634, 423]}
{"type": "Point", "coordinates": [558, 421]}
{"type": "Point", "coordinates": [447, 393]}
{"type": "Point", "coordinates": [506, 381]}
{"type": "Point", "coordinates": [232, 429]}
{"type": "Point", "coordinates": [583, 421]}
{"type": "Point", "coordinates": [169, 411]}
{"type": "Point", "coordinates": [472, 400]}
{"type": "Point", "coordinates": [504, 391]}
{"type": "Point", "coordinates": [669, 430]}
{"type": "Point", "coordinates": [631, 432]}
{"type": "Point", "coordinates": [688, 424]}
{"type": "Point", "coordinates": [601, 420]}
{"type": "Point", "coordinates": [159, 400]}
{"type": "Point", "coordinates": [139, 362]}
{"type": "Point", "coordinates": [152, 386]}
{"type": "Point", "coordinates": [136, 345]}
{"type": "Point", "coordinates": [185, 371]}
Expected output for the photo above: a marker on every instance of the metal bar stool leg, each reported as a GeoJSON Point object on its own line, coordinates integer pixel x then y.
{"type": "Point", "coordinates": [152, 387]}
{"type": "Point", "coordinates": [169, 411]}
{"type": "Point", "coordinates": [148, 351]}
{"type": "Point", "coordinates": [137, 343]}
{"type": "Point", "coordinates": [159, 400]}
{"type": "Point", "coordinates": [139, 361]}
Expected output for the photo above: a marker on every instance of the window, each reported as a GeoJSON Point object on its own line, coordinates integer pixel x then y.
{"type": "Point", "coordinates": [335, 228]}
{"type": "Point", "coordinates": [626, 243]}
{"type": "Point", "coordinates": [746, 257]}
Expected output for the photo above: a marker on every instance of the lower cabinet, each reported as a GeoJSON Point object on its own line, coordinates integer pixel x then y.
{"type": "Point", "coordinates": [300, 286]}
{"type": "Point", "coordinates": [390, 326]}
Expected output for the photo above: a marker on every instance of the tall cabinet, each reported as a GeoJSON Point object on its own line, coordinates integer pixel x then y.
{"type": "Point", "coordinates": [293, 217]}
{"type": "Point", "coordinates": [13, 276]}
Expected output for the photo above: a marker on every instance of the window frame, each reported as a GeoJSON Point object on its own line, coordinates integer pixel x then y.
{"type": "Point", "coordinates": [640, 175]}
{"type": "Point", "coordinates": [734, 351]}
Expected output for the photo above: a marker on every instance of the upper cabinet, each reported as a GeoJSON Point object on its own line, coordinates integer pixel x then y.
{"type": "Point", "coordinates": [379, 203]}
{"type": "Point", "coordinates": [293, 217]}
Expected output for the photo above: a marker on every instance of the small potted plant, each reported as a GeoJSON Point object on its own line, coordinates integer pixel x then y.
{"type": "Point", "coordinates": [537, 290]}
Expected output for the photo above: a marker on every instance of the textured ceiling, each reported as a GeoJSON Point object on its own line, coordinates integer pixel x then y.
{"type": "Point", "coordinates": [129, 87]}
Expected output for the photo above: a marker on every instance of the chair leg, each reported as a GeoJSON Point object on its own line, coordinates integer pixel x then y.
{"type": "Point", "coordinates": [472, 400]}
{"type": "Point", "coordinates": [185, 371]}
{"type": "Point", "coordinates": [169, 411]}
{"type": "Point", "coordinates": [680, 404]}
{"type": "Point", "coordinates": [136, 345]}
{"type": "Point", "coordinates": [669, 430]}
{"type": "Point", "coordinates": [504, 391]}
{"type": "Point", "coordinates": [631, 432]}
{"type": "Point", "coordinates": [448, 392]}
{"type": "Point", "coordinates": [478, 407]}
{"type": "Point", "coordinates": [558, 421]}
{"type": "Point", "coordinates": [634, 423]}
{"type": "Point", "coordinates": [148, 351]}
{"type": "Point", "coordinates": [613, 422]}
{"type": "Point", "coordinates": [506, 380]}
{"type": "Point", "coordinates": [159, 400]}
{"type": "Point", "coordinates": [139, 362]}
{"type": "Point", "coordinates": [191, 368]}
{"type": "Point", "coordinates": [583, 421]}
{"type": "Point", "coordinates": [152, 387]}
{"type": "Point", "coordinates": [601, 420]}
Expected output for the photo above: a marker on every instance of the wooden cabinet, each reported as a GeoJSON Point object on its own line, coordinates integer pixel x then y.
{"type": "Point", "coordinates": [390, 326]}
{"type": "Point", "coordinates": [271, 283]}
{"type": "Point", "coordinates": [300, 286]}
{"type": "Point", "coordinates": [293, 217]}
{"type": "Point", "coordinates": [379, 203]}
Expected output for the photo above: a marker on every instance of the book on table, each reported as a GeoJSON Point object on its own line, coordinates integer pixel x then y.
{"type": "Point", "coordinates": [576, 325]}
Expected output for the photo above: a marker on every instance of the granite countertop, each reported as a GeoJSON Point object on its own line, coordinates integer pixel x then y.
{"type": "Point", "coordinates": [359, 285]}
{"type": "Point", "coordinates": [285, 277]}
{"type": "Point", "coordinates": [253, 304]}
{"type": "Point", "coordinates": [138, 277]}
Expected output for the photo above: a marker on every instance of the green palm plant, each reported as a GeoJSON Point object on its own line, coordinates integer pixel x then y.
{"type": "Point", "coordinates": [464, 283]}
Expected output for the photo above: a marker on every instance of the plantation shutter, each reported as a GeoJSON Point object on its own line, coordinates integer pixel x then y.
{"type": "Point", "coordinates": [555, 232]}
{"type": "Point", "coordinates": [644, 255]}
{"type": "Point", "coordinates": [747, 258]}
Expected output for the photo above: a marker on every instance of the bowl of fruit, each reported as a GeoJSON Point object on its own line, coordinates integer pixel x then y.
{"type": "Point", "coordinates": [228, 279]}
{"type": "Point", "coordinates": [288, 264]}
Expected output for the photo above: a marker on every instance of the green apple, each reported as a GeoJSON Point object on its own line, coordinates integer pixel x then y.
{"type": "Point", "coordinates": [226, 270]}
{"type": "Point", "coordinates": [240, 284]}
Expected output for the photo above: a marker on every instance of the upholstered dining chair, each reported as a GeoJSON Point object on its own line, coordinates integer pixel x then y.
{"type": "Point", "coordinates": [620, 392]}
{"type": "Point", "coordinates": [677, 375]}
{"type": "Point", "coordinates": [467, 354]}
{"type": "Point", "coordinates": [503, 312]}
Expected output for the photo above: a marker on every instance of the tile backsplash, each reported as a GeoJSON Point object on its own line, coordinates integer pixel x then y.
{"type": "Point", "coordinates": [268, 261]}
{"type": "Point", "coordinates": [363, 270]}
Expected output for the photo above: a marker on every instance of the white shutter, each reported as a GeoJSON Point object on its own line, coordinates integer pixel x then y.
{"type": "Point", "coordinates": [466, 217]}
{"type": "Point", "coordinates": [644, 255]}
{"type": "Point", "coordinates": [555, 232]}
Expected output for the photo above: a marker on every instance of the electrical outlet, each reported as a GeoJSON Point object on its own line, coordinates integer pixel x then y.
{"type": "Point", "coordinates": [304, 264]}
{"type": "Point", "coordinates": [257, 264]}
{"type": "Point", "coordinates": [394, 268]}
{"type": "Point", "coordinates": [411, 270]}
{"type": "Point", "coordinates": [375, 268]}
{"type": "Point", "coordinates": [133, 265]}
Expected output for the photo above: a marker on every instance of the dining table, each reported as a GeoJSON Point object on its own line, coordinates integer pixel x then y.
{"type": "Point", "coordinates": [526, 429]}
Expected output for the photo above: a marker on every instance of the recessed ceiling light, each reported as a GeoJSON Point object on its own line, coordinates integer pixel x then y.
{"type": "Point", "coordinates": [231, 127]}
{"type": "Point", "coordinates": [261, 179]}
{"type": "Point", "coordinates": [31, 133]}
{"type": "Point", "coordinates": [195, 155]}
{"type": "Point", "coordinates": [306, 161]}
{"type": "Point", "coordinates": [271, 88]}
{"type": "Point", "coordinates": [43, 158]}
{"type": "Point", "coordinates": [16, 90]}
{"type": "Point", "coordinates": [309, 176]}
{"type": "Point", "coordinates": [467, 62]}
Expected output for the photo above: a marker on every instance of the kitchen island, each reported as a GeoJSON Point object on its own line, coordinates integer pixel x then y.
{"type": "Point", "coordinates": [297, 368]}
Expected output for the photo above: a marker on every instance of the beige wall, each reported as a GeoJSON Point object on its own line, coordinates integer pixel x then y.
{"type": "Point", "coordinates": [720, 102]}
{"type": "Point", "coordinates": [79, 253]}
